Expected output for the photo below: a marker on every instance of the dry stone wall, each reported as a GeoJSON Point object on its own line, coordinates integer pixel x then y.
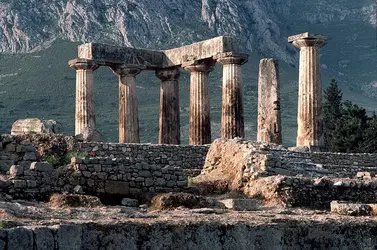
{"type": "Point", "coordinates": [124, 176]}
{"type": "Point", "coordinates": [189, 157]}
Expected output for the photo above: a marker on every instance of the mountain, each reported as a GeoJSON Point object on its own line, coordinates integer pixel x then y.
{"type": "Point", "coordinates": [38, 37]}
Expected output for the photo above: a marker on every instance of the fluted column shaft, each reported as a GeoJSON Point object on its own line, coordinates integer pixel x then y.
{"type": "Point", "coordinates": [169, 106]}
{"type": "Point", "coordinates": [85, 115]}
{"type": "Point", "coordinates": [232, 116]}
{"type": "Point", "coordinates": [200, 120]}
{"type": "Point", "coordinates": [128, 111]}
{"type": "Point", "coordinates": [310, 117]}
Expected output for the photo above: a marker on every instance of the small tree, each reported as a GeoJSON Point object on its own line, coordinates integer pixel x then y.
{"type": "Point", "coordinates": [332, 112]}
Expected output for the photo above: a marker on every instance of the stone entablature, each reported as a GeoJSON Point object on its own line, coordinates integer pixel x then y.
{"type": "Point", "coordinates": [197, 58]}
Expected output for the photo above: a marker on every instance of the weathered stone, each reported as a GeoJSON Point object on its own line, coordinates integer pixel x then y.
{"type": "Point", "coordinates": [78, 189]}
{"type": "Point", "coordinates": [116, 187]}
{"type": "Point", "coordinates": [269, 121]}
{"type": "Point", "coordinates": [85, 116]}
{"type": "Point", "coordinates": [29, 156]}
{"type": "Point", "coordinates": [69, 237]}
{"type": "Point", "coordinates": [129, 202]}
{"type": "Point", "coordinates": [128, 111]}
{"type": "Point", "coordinates": [309, 117]}
{"type": "Point", "coordinates": [33, 125]}
{"type": "Point", "coordinates": [201, 50]}
{"type": "Point", "coordinates": [353, 209]}
{"type": "Point", "coordinates": [89, 135]}
{"type": "Point", "coordinates": [241, 204]}
{"type": "Point", "coordinates": [42, 166]}
{"type": "Point", "coordinates": [232, 117]}
{"type": "Point", "coordinates": [11, 147]}
{"type": "Point", "coordinates": [169, 106]}
{"type": "Point", "coordinates": [16, 170]}
{"type": "Point", "coordinates": [20, 238]}
{"type": "Point", "coordinates": [44, 238]}
{"type": "Point", "coordinates": [200, 121]}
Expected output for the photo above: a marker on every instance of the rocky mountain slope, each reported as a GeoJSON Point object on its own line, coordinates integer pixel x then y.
{"type": "Point", "coordinates": [36, 36]}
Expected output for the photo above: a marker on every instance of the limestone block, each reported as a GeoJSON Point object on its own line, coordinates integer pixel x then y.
{"type": "Point", "coordinates": [116, 187]}
{"type": "Point", "coordinates": [6, 164]}
{"type": "Point", "coordinates": [69, 237]}
{"type": "Point", "coordinates": [352, 209]}
{"type": "Point", "coordinates": [11, 147]}
{"type": "Point", "coordinates": [33, 125]}
{"type": "Point", "coordinates": [16, 170]}
{"type": "Point", "coordinates": [24, 148]}
{"type": "Point", "coordinates": [90, 135]}
{"type": "Point", "coordinates": [129, 202]}
{"type": "Point", "coordinates": [42, 166]}
{"type": "Point", "coordinates": [30, 156]}
{"type": "Point", "coordinates": [241, 204]}
{"type": "Point", "coordinates": [44, 238]}
{"type": "Point", "coordinates": [20, 238]}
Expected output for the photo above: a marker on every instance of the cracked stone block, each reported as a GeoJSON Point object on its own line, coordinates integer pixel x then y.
{"type": "Point", "coordinates": [352, 209]}
{"type": "Point", "coordinates": [241, 204]}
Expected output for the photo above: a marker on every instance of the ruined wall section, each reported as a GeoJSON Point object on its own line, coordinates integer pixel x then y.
{"type": "Point", "coordinates": [189, 157]}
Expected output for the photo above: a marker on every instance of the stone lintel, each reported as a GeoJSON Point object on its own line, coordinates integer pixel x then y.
{"type": "Point", "coordinates": [108, 55]}
{"type": "Point", "coordinates": [307, 36]}
{"type": "Point", "coordinates": [200, 50]}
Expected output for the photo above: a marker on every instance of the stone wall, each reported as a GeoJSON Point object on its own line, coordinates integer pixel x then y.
{"type": "Point", "coordinates": [318, 164]}
{"type": "Point", "coordinates": [124, 176]}
{"type": "Point", "coordinates": [281, 234]}
{"type": "Point", "coordinates": [188, 157]}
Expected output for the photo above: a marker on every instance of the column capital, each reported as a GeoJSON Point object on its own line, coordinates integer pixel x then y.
{"type": "Point", "coordinates": [199, 66]}
{"type": "Point", "coordinates": [78, 64]}
{"type": "Point", "coordinates": [231, 58]}
{"type": "Point", "coordinates": [168, 74]}
{"type": "Point", "coordinates": [126, 70]}
{"type": "Point", "coordinates": [308, 39]}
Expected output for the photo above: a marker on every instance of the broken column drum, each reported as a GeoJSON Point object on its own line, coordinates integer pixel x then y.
{"type": "Point", "coordinates": [128, 112]}
{"type": "Point", "coordinates": [85, 115]}
{"type": "Point", "coordinates": [232, 116]}
{"type": "Point", "coordinates": [169, 106]}
{"type": "Point", "coordinates": [269, 117]}
{"type": "Point", "coordinates": [200, 121]}
{"type": "Point", "coordinates": [310, 117]}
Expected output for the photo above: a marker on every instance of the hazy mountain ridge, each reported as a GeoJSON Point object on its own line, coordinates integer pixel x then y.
{"type": "Point", "coordinates": [30, 25]}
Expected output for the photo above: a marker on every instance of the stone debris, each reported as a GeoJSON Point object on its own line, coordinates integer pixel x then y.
{"type": "Point", "coordinates": [130, 202]}
{"type": "Point", "coordinates": [33, 126]}
{"type": "Point", "coordinates": [241, 204]}
{"type": "Point", "coordinates": [352, 209]}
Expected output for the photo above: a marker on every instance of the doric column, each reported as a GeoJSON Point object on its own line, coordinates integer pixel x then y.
{"type": "Point", "coordinates": [232, 117]}
{"type": "Point", "coordinates": [85, 115]}
{"type": "Point", "coordinates": [169, 106]}
{"type": "Point", "coordinates": [200, 121]}
{"type": "Point", "coordinates": [128, 113]}
{"type": "Point", "coordinates": [269, 121]}
{"type": "Point", "coordinates": [310, 118]}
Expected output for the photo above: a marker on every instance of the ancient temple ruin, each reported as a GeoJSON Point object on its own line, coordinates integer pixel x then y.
{"type": "Point", "coordinates": [198, 59]}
